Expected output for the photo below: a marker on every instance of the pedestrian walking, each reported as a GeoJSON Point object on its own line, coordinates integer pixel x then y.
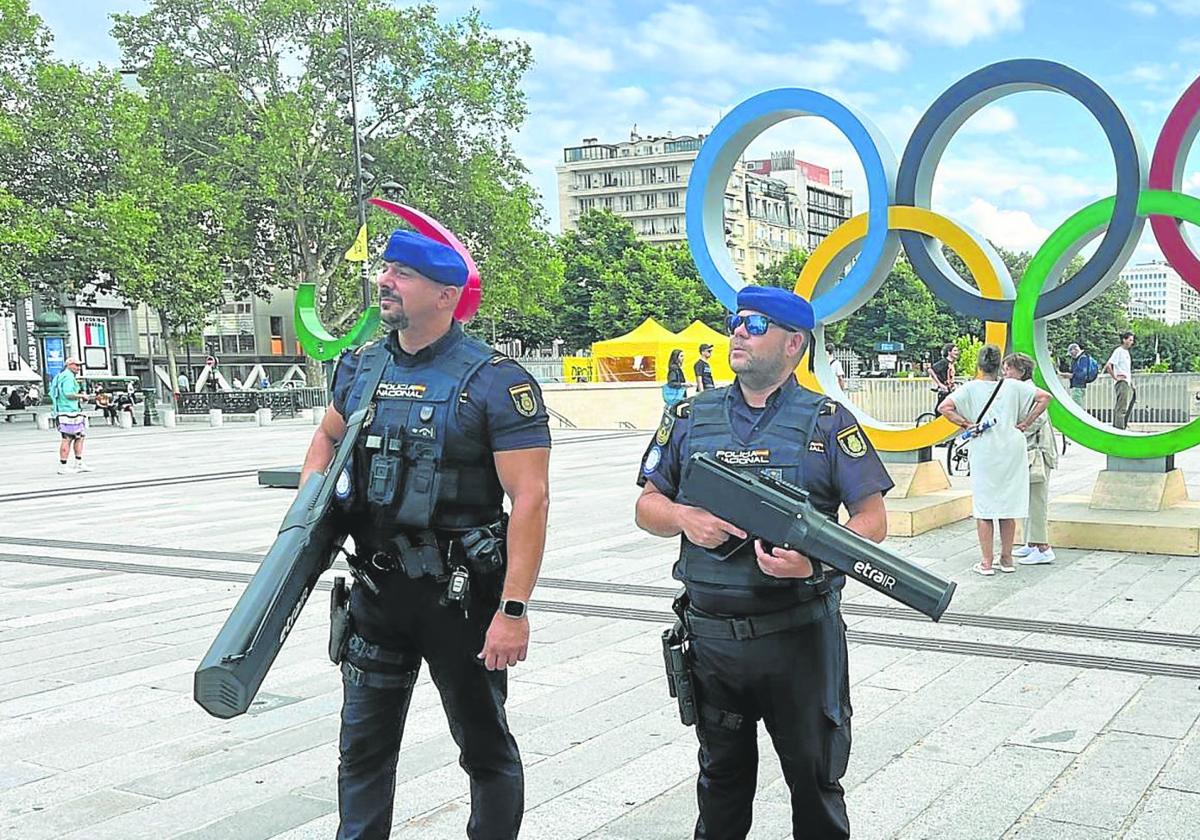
{"type": "Point", "coordinates": [675, 389]}
{"type": "Point", "coordinates": [1120, 367]}
{"type": "Point", "coordinates": [999, 411]}
{"type": "Point", "coordinates": [703, 370]}
{"type": "Point", "coordinates": [67, 397]}
{"type": "Point", "coordinates": [835, 365]}
{"type": "Point", "coordinates": [1084, 371]}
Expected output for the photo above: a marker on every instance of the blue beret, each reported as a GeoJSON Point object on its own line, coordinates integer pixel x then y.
{"type": "Point", "coordinates": [437, 261]}
{"type": "Point", "coordinates": [780, 305]}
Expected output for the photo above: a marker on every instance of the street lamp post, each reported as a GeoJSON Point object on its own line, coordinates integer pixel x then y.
{"type": "Point", "coordinates": [359, 175]}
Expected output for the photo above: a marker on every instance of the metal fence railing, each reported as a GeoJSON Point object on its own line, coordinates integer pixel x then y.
{"type": "Point", "coordinates": [1168, 398]}
{"type": "Point", "coordinates": [283, 403]}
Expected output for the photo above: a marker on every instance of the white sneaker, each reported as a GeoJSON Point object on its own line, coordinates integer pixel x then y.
{"type": "Point", "coordinates": [1038, 558]}
{"type": "Point", "coordinates": [80, 466]}
{"type": "Point", "coordinates": [1023, 551]}
{"type": "Point", "coordinates": [65, 469]}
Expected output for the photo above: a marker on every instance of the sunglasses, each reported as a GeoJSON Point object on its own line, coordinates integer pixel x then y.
{"type": "Point", "coordinates": [755, 323]}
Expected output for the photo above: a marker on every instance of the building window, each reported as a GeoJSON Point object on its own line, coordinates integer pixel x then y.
{"type": "Point", "coordinates": [649, 176]}
{"type": "Point", "coordinates": [671, 173]}
{"type": "Point", "coordinates": [651, 201]}
{"type": "Point", "coordinates": [673, 199]}
{"type": "Point", "coordinates": [627, 203]}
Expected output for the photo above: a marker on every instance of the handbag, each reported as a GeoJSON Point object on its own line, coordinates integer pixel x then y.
{"type": "Point", "coordinates": [673, 395]}
{"type": "Point", "coordinates": [1037, 466]}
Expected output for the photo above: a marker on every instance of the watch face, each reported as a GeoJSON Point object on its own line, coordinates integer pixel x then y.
{"type": "Point", "coordinates": [514, 609]}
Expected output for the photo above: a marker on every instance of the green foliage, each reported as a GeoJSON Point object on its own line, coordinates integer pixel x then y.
{"type": "Point", "coordinates": [613, 281]}
{"type": "Point", "coordinates": [968, 356]}
{"type": "Point", "coordinates": [1160, 346]}
{"type": "Point", "coordinates": [901, 310]}
{"type": "Point", "coordinates": [784, 273]}
{"type": "Point", "coordinates": [249, 98]}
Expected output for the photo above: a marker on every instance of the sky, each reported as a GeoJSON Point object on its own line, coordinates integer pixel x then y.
{"type": "Point", "coordinates": [1014, 172]}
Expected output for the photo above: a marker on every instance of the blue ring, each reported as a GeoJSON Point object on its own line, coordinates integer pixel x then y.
{"type": "Point", "coordinates": [946, 115]}
{"type": "Point", "coordinates": [714, 164]}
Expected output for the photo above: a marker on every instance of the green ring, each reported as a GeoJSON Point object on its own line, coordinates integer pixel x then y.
{"type": "Point", "coordinates": [1029, 333]}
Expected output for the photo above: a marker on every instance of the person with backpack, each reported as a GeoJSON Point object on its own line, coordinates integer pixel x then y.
{"type": "Point", "coordinates": [1084, 370]}
{"type": "Point", "coordinates": [68, 398]}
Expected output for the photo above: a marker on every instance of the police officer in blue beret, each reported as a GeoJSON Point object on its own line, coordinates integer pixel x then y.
{"type": "Point", "coordinates": [766, 639]}
{"type": "Point", "coordinates": [441, 572]}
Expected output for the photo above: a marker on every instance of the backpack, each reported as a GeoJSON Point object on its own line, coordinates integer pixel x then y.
{"type": "Point", "coordinates": [1090, 369]}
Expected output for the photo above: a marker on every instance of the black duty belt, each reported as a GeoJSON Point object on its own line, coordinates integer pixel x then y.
{"type": "Point", "coordinates": [740, 628]}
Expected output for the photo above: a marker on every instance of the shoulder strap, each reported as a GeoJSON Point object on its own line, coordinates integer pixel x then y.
{"type": "Point", "coordinates": [988, 404]}
{"type": "Point", "coordinates": [374, 363]}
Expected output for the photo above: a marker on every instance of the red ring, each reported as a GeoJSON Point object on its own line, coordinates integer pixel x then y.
{"type": "Point", "coordinates": [472, 294]}
{"type": "Point", "coordinates": [1166, 173]}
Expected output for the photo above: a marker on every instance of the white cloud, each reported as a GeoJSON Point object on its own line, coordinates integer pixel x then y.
{"type": "Point", "coordinates": [1013, 229]}
{"type": "Point", "coordinates": [993, 119]}
{"type": "Point", "coordinates": [1191, 182]}
{"type": "Point", "coordinates": [1141, 7]}
{"type": "Point", "coordinates": [628, 96]}
{"type": "Point", "coordinates": [1183, 7]}
{"type": "Point", "coordinates": [683, 35]}
{"type": "Point", "coordinates": [952, 22]}
{"type": "Point", "coordinates": [557, 53]}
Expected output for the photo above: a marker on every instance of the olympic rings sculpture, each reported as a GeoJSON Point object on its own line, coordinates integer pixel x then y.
{"type": "Point", "coordinates": [899, 216]}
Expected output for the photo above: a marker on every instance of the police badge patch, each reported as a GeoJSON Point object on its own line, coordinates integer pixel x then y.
{"type": "Point", "coordinates": [852, 442]}
{"type": "Point", "coordinates": [523, 399]}
{"type": "Point", "coordinates": [664, 428]}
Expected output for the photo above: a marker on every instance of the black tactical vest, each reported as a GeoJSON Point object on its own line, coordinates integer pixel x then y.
{"type": "Point", "coordinates": [778, 448]}
{"type": "Point", "coordinates": [415, 466]}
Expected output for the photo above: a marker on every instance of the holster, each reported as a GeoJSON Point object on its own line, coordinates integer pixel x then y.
{"type": "Point", "coordinates": [679, 672]}
{"type": "Point", "coordinates": [484, 548]}
{"type": "Point", "coordinates": [340, 628]}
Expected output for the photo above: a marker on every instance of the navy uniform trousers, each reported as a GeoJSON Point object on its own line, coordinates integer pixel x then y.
{"type": "Point", "coordinates": [797, 683]}
{"type": "Point", "coordinates": [394, 631]}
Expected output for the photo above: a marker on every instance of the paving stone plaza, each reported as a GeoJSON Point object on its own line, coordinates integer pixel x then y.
{"type": "Point", "coordinates": [1058, 703]}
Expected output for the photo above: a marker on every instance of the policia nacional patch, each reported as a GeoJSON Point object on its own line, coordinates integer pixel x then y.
{"type": "Point", "coordinates": [523, 399]}
{"type": "Point", "coordinates": [852, 442]}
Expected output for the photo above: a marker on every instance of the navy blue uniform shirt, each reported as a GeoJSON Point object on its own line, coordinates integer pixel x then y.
{"type": "Point", "coordinates": [832, 476]}
{"type": "Point", "coordinates": [487, 410]}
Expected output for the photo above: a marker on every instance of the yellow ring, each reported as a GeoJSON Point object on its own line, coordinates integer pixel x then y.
{"type": "Point", "coordinates": [919, 220]}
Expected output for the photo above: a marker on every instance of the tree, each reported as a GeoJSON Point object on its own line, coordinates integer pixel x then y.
{"type": "Point", "coordinates": [255, 94]}
{"type": "Point", "coordinates": [613, 281]}
{"type": "Point", "coordinates": [784, 273]}
{"type": "Point", "coordinates": [901, 310]}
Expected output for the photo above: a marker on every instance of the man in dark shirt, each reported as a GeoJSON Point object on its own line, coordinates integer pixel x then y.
{"type": "Point", "coordinates": [702, 369]}
{"type": "Point", "coordinates": [765, 637]}
{"type": "Point", "coordinates": [441, 574]}
{"type": "Point", "coordinates": [942, 373]}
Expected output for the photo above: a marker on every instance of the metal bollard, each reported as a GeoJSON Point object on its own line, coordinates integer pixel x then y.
{"type": "Point", "coordinates": [215, 417]}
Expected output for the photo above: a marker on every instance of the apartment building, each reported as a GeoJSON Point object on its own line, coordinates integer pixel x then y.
{"type": "Point", "coordinates": [1157, 291]}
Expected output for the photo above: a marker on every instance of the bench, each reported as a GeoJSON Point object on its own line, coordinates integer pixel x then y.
{"type": "Point", "coordinates": [10, 413]}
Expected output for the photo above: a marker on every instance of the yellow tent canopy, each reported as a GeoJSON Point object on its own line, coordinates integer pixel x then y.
{"type": "Point", "coordinates": [689, 340]}
{"type": "Point", "coordinates": [638, 356]}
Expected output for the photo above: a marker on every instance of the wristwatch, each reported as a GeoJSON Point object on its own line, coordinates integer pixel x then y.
{"type": "Point", "coordinates": [514, 608]}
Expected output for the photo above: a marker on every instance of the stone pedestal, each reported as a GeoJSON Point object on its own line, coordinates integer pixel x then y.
{"type": "Point", "coordinates": [318, 414]}
{"type": "Point", "coordinates": [1136, 506]}
{"type": "Point", "coordinates": [43, 420]}
{"type": "Point", "coordinates": [215, 417]}
{"type": "Point", "coordinates": [262, 417]}
{"type": "Point", "coordinates": [922, 498]}
{"type": "Point", "coordinates": [167, 417]}
{"type": "Point", "coordinates": [125, 419]}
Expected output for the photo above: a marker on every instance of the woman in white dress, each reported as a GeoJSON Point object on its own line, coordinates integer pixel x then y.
{"type": "Point", "coordinates": [999, 465]}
